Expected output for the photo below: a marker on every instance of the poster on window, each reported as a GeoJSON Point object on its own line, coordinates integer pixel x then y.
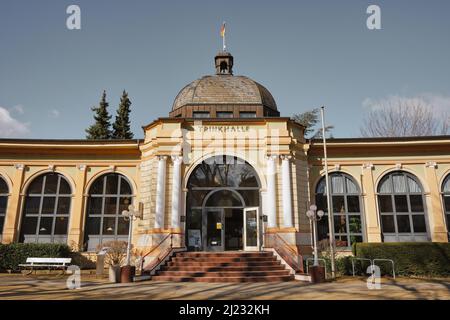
{"type": "Point", "coordinates": [194, 238]}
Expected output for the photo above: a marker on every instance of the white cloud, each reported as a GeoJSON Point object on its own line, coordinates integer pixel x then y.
{"type": "Point", "coordinates": [18, 109]}
{"type": "Point", "coordinates": [10, 127]}
{"type": "Point", "coordinates": [54, 113]}
{"type": "Point", "coordinates": [438, 103]}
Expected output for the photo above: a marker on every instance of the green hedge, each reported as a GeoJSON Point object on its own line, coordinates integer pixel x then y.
{"type": "Point", "coordinates": [410, 258]}
{"type": "Point", "coordinates": [11, 255]}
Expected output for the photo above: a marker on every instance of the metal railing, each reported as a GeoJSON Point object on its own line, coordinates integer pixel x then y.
{"type": "Point", "coordinates": [372, 264]}
{"type": "Point", "coordinates": [165, 247]}
{"type": "Point", "coordinates": [289, 255]}
{"type": "Point", "coordinates": [319, 259]}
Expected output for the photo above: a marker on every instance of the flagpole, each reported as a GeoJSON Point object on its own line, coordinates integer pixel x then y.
{"type": "Point", "coordinates": [223, 38]}
{"type": "Point", "coordinates": [329, 205]}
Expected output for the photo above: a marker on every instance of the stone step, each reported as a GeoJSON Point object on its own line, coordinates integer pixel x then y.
{"type": "Point", "coordinates": [224, 254]}
{"type": "Point", "coordinates": [224, 279]}
{"type": "Point", "coordinates": [225, 274]}
{"type": "Point", "coordinates": [226, 268]}
{"type": "Point", "coordinates": [223, 264]}
{"type": "Point", "coordinates": [224, 259]}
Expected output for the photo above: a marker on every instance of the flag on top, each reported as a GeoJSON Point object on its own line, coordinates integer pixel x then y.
{"type": "Point", "coordinates": [222, 30]}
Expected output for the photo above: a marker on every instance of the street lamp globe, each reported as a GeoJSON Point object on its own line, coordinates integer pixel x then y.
{"type": "Point", "coordinates": [313, 207]}
{"type": "Point", "coordinates": [320, 213]}
{"type": "Point", "coordinates": [310, 214]}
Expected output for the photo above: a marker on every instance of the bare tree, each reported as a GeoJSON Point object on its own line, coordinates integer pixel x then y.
{"type": "Point", "coordinates": [404, 119]}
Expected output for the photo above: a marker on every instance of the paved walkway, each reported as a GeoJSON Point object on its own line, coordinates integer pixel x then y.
{"type": "Point", "coordinates": [54, 287]}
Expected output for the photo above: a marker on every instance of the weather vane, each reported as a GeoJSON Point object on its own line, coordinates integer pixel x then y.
{"type": "Point", "coordinates": [222, 34]}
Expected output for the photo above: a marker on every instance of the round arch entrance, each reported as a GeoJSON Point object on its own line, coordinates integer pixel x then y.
{"type": "Point", "coordinates": [222, 211]}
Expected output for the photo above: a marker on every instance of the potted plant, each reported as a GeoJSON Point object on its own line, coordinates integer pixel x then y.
{"type": "Point", "coordinates": [114, 256]}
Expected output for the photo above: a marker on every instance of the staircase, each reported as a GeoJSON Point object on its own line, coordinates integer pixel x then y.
{"type": "Point", "coordinates": [223, 267]}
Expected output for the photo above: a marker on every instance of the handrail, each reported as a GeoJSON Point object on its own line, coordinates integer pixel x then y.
{"type": "Point", "coordinates": [290, 257]}
{"type": "Point", "coordinates": [159, 258]}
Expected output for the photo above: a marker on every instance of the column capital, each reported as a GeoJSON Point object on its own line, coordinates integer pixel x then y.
{"type": "Point", "coordinates": [271, 156]}
{"type": "Point", "coordinates": [176, 158]}
{"type": "Point", "coordinates": [368, 166]}
{"type": "Point", "coordinates": [162, 157]}
{"type": "Point", "coordinates": [286, 157]}
{"type": "Point", "coordinates": [81, 167]}
{"type": "Point", "coordinates": [19, 166]}
{"type": "Point", "coordinates": [431, 164]}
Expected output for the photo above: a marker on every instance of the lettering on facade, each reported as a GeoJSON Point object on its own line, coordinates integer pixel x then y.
{"type": "Point", "coordinates": [224, 129]}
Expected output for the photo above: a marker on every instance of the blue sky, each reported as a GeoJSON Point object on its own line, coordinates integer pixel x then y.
{"type": "Point", "coordinates": [307, 53]}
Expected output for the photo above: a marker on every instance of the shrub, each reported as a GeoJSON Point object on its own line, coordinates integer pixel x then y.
{"type": "Point", "coordinates": [11, 255]}
{"type": "Point", "coordinates": [410, 258]}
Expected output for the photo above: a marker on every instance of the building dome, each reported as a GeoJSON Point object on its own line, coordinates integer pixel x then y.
{"type": "Point", "coordinates": [224, 92]}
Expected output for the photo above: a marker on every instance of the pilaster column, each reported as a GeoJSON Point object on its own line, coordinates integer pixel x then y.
{"type": "Point", "coordinates": [76, 226]}
{"type": "Point", "coordinates": [11, 228]}
{"type": "Point", "coordinates": [160, 192]}
{"type": "Point", "coordinates": [370, 204]}
{"type": "Point", "coordinates": [436, 219]}
{"type": "Point", "coordinates": [271, 191]}
{"type": "Point", "coordinates": [287, 190]}
{"type": "Point", "coordinates": [176, 191]}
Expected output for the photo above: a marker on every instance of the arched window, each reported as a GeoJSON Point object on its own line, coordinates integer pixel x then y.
{"type": "Point", "coordinates": [46, 210]}
{"type": "Point", "coordinates": [446, 200]}
{"type": "Point", "coordinates": [345, 197]}
{"type": "Point", "coordinates": [401, 207]}
{"type": "Point", "coordinates": [4, 192]}
{"type": "Point", "coordinates": [109, 195]}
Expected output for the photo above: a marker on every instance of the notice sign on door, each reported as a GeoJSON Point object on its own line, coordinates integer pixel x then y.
{"type": "Point", "coordinates": [218, 225]}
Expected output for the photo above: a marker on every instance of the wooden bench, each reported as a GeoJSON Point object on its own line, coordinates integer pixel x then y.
{"type": "Point", "coordinates": [47, 263]}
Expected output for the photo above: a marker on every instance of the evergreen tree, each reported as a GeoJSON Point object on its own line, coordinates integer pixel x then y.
{"type": "Point", "coordinates": [121, 127]}
{"type": "Point", "coordinates": [309, 119]}
{"type": "Point", "coordinates": [101, 129]}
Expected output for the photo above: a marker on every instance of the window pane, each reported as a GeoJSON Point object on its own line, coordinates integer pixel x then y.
{"type": "Point", "coordinates": [109, 225]}
{"type": "Point", "coordinates": [403, 224]}
{"type": "Point", "coordinates": [340, 224]}
{"type": "Point", "coordinates": [194, 219]}
{"type": "Point", "coordinates": [224, 114]}
{"type": "Point", "coordinates": [200, 114]}
{"type": "Point", "coordinates": [354, 239]}
{"type": "Point", "coordinates": [2, 222]}
{"type": "Point", "coordinates": [385, 185]}
{"type": "Point", "coordinates": [36, 185]}
{"type": "Point", "coordinates": [124, 203]}
{"type": "Point", "coordinates": [112, 184]}
{"type": "Point", "coordinates": [387, 223]}
{"type": "Point", "coordinates": [337, 184]}
{"type": "Point", "coordinates": [351, 186]}
{"type": "Point", "coordinates": [355, 224]}
{"type": "Point", "coordinates": [123, 226]}
{"type": "Point", "coordinates": [51, 182]}
{"type": "Point", "coordinates": [321, 202]}
{"type": "Point", "coordinates": [416, 203]}
{"type": "Point", "coordinates": [48, 205]}
{"type": "Point", "coordinates": [63, 205]}
{"type": "Point", "coordinates": [195, 197]}
{"type": "Point", "coordinates": [338, 204]}
{"type": "Point", "coordinates": [419, 223]}
{"type": "Point", "coordinates": [3, 203]}
{"type": "Point", "coordinates": [124, 187]}
{"type": "Point", "coordinates": [29, 225]}
{"type": "Point", "coordinates": [93, 226]}
{"type": "Point", "coordinates": [32, 205]}
{"type": "Point", "coordinates": [3, 186]}
{"type": "Point", "coordinates": [341, 241]}
{"type": "Point", "coordinates": [95, 205]}
{"type": "Point", "coordinates": [401, 204]}
{"type": "Point", "coordinates": [110, 205]}
{"type": "Point", "coordinates": [97, 186]}
{"type": "Point", "coordinates": [448, 222]}
{"type": "Point", "coordinates": [385, 203]}
{"type": "Point", "coordinates": [45, 226]}
{"type": "Point", "coordinates": [413, 186]}
{"type": "Point", "coordinates": [64, 187]}
{"type": "Point", "coordinates": [61, 225]}
{"type": "Point", "coordinates": [224, 198]}
{"type": "Point", "coordinates": [353, 203]}
{"type": "Point", "coordinates": [251, 197]}
{"type": "Point", "coordinates": [447, 203]}
{"type": "Point", "coordinates": [322, 228]}
{"type": "Point", "coordinates": [399, 183]}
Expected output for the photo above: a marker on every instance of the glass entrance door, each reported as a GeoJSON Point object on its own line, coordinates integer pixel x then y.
{"type": "Point", "coordinates": [251, 229]}
{"type": "Point", "coordinates": [214, 230]}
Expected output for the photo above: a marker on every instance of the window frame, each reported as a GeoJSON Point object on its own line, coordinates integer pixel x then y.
{"type": "Point", "coordinates": [445, 211]}
{"type": "Point", "coordinates": [4, 195]}
{"type": "Point", "coordinates": [412, 235]}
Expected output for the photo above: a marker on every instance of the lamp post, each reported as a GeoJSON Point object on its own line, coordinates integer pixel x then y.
{"type": "Point", "coordinates": [315, 216]}
{"type": "Point", "coordinates": [130, 214]}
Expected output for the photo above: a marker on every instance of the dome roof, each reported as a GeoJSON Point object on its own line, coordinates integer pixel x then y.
{"type": "Point", "coordinates": [224, 89]}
